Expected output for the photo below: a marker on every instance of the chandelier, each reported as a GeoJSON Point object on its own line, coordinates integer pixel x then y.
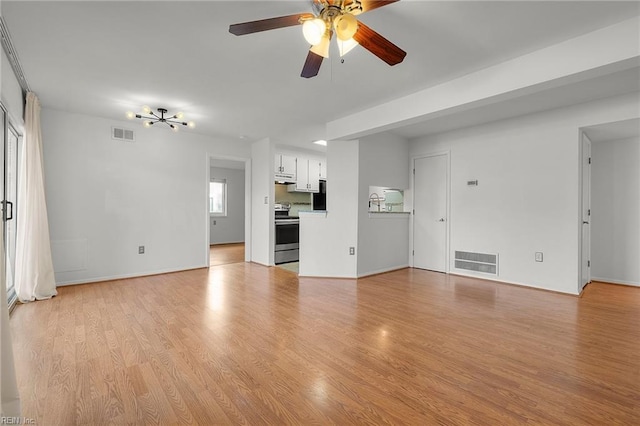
{"type": "Point", "coordinates": [152, 118]}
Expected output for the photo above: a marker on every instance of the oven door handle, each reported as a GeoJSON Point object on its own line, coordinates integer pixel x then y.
{"type": "Point", "coordinates": [287, 222]}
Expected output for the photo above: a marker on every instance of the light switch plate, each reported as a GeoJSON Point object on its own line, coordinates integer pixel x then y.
{"type": "Point", "coordinates": [538, 256]}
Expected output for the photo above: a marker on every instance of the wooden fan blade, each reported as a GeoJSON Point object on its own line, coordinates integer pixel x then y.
{"type": "Point", "coordinates": [268, 24]}
{"type": "Point", "coordinates": [311, 65]}
{"type": "Point", "coordinates": [368, 5]}
{"type": "Point", "coordinates": [378, 45]}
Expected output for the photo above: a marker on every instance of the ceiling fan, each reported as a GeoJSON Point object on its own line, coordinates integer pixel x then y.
{"type": "Point", "coordinates": [331, 16]}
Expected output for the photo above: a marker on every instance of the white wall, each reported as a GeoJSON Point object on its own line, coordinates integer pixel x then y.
{"type": "Point", "coordinates": [383, 241]}
{"type": "Point", "coordinates": [527, 199]}
{"type": "Point", "coordinates": [262, 193]}
{"type": "Point", "coordinates": [325, 239]}
{"type": "Point", "coordinates": [107, 197]}
{"type": "Point", "coordinates": [229, 228]}
{"type": "Point", "coordinates": [615, 211]}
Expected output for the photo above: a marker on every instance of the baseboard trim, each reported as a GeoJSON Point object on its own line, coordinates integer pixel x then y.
{"type": "Point", "coordinates": [383, 271]}
{"type": "Point", "coordinates": [127, 276]}
{"type": "Point", "coordinates": [612, 281]}
{"type": "Point", "coordinates": [515, 284]}
{"type": "Point", "coordinates": [226, 244]}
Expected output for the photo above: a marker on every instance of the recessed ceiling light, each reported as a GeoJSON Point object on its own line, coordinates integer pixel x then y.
{"type": "Point", "coordinates": [321, 142]}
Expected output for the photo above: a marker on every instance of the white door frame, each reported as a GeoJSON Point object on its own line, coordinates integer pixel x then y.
{"type": "Point", "coordinates": [582, 256]}
{"type": "Point", "coordinates": [247, 204]}
{"type": "Point", "coordinates": [447, 154]}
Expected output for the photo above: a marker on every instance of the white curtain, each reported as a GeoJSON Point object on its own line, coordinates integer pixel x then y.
{"type": "Point", "coordinates": [9, 398]}
{"type": "Point", "coordinates": [34, 276]}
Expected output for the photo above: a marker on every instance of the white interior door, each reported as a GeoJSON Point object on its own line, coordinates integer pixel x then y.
{"type": "Point", "coordinates": [430, 213]}
{"type": "Point", "coordinates": [585, 273]}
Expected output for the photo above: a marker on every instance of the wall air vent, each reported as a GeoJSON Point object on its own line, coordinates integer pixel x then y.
{"type": "Point", "coordinates": [486, 263]}
{"type": "Point", "coordinates": [121, 134]}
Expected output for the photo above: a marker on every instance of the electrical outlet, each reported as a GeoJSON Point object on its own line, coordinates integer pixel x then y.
{"type": "Point", "coordinates": [266, 200]}
{"type": "Point", "coordinates": [140, 249]}
{"type": "Point", "coordinates": [538, 256]}
{"type": "Point", "coordinates": [352, 251]}
{"type": "Point", "coordinates": [214, 222]}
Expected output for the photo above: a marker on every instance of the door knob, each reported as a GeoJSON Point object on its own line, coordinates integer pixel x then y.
{"type": "Point", "coordinates": [584, 222]}
{"type": "Point", "coordinates": [441, 219]}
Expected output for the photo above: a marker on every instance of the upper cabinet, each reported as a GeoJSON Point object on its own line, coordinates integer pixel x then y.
{"type": "Point", "coordinates": [285, 167]}
{"type": "Point", "coordinates": [323, 170]}
{"type": "Point", "coordinates": [304, 171]}
{"type": "Point", "coordinates": [308, 176]}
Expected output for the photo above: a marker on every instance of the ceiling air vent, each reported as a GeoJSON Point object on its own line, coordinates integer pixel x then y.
{"type": "Point", "coordinates": [486, 263]}
{"type": "Point", "coordinates": [121, 134]}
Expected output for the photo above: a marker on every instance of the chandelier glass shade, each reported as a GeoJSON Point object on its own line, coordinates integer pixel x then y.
{"type": "Point", "coordinates": [151, 118]}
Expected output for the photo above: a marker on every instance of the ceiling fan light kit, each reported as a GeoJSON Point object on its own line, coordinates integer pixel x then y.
{"type": "Point", "coordinates": [152, 118]}
{"type": "Point", "coordinates": [313, 30]}
{"type": "Point", "coordinates": [346, 26]}
{"type": "Point", "coordinates": [345, 47]}
{"type": "Point", "coordinates": [317, 29]}
{"type": "Point", "coordinates": [322, 48]}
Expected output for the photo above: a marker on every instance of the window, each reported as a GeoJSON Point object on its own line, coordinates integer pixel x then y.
{"type": "Point", "coordinates": [218, 197]}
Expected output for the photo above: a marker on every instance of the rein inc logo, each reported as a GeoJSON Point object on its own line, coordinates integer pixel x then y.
{"type": "Point", "coordinates": [17, 421]}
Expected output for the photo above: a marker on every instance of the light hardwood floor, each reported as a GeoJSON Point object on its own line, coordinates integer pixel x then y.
{"type": "Point", "coordinates": [224, 254]}
{"type": "Point", "coordinates": [247, 344]}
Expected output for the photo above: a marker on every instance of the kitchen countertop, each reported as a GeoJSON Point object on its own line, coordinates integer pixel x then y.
{"type": "Point", "coordinates": [388, 215]}
{"type": "Point", "coordinates": [312, 213]}
{"type": "Point", "coordinates": [387, 212]}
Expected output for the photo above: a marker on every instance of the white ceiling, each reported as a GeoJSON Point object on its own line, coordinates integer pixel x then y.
{"type": "Point", "coordinates": [626, 129]}
{"type": "Point", "coordinates": [104, 58]}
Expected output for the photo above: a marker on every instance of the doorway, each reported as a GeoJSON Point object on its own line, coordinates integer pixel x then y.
{"type": "Point", "coordinates": [585, 246]}
{"type": "Point", "coordinates": [227, 192]}
{"type": "Point", "coordinates": [613, 241]}
{"type": "Point", "coordinates": [225, 254]}
{"type": "Point", "coordinates": [430, 219]}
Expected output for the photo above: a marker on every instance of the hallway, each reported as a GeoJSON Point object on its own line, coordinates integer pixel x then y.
{"type": "Point", "coordinates": [224, 254]}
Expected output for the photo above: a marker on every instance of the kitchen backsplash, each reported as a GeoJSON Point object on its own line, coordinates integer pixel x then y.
{"type": "Point", "coordinates": [298, 200]}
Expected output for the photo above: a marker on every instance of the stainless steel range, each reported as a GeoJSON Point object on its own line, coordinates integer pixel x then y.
{"type": "Point", "coordinates": [287, 235]}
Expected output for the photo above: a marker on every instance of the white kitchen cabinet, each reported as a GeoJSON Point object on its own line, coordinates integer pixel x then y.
{"type": "Point", "coordinates": [285, 167]}
{"type": "Point", "coordinates": [323, 170]}
{"type": "Point", "coordinates": [314, 176]}
{"type": "Point", "coordinates": [308, 176]}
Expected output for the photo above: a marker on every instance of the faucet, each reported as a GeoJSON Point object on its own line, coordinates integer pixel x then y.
{"type": "Point", "coordinates": [375, 198]}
